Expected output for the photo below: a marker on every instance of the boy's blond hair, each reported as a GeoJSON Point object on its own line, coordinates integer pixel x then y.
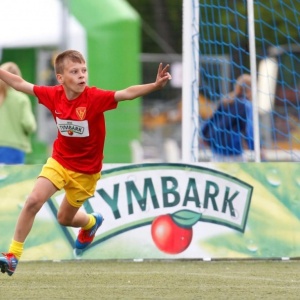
{"type": "Point", "coordinates": [243, 82]}
{"type": "Point", "coordinates": [241, 87]}
{"type": "Point", "coordinates": [72, 55]}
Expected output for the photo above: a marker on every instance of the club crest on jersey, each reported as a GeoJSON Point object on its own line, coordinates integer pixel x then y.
{"type": "Point", "coordinates": [81, 112]}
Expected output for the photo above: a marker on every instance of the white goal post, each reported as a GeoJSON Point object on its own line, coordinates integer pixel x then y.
{"type": "Point", "coordinates": [190, 84]}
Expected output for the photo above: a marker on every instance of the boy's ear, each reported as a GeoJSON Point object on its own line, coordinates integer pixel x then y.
{"type": "Point", "coordinates": [59, 78]}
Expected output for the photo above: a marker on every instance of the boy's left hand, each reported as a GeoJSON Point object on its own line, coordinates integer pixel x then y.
{"type": "Point", "coordinates": [163, 76]}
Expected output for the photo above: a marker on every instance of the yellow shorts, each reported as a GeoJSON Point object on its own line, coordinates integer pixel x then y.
{"type": "Point", "coordinates": [78, 186]}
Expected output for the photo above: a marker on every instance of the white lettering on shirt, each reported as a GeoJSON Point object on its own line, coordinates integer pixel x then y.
{"type": "Point", "coordinates": [73, 128]}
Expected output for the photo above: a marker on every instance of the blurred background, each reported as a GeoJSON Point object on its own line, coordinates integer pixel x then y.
{"type": "Point", "coordinates": [125, 40]}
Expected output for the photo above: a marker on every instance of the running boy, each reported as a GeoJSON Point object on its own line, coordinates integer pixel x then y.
{"type": "Point", "coordinates": [77, 155]}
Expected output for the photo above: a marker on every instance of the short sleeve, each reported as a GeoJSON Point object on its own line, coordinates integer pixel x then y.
{"type": "Point", "coordinates": [45, 95]}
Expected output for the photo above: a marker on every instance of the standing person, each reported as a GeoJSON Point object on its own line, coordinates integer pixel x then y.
{"type": "Point", "coordinates": [77, 155]}
{"type": "Point", "coordinates": [18, 120]}
{"type": "Point", "coordinates": [231, 124]}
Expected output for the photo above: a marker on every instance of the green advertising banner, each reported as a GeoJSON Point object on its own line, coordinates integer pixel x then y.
{"type": "Point", "coordinates": [171, 211]}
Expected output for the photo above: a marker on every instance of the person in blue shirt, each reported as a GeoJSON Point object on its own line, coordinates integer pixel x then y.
{"type": "Point", "coordinates": [231, 125]}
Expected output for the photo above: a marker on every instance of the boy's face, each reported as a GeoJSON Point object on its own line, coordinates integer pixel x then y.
{"type": "Point", "coordinates": [73, 79]}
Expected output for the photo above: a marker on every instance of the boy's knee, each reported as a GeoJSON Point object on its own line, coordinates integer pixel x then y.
{"type": "Point", "coordinates": [63, 220]}
{"type": "Point", "coordinates": [33, 203]}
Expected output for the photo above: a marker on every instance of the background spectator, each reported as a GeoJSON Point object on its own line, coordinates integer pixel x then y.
{"type": "Point", "coordinates": [230, 127]}
{"type": "Point", "coordinates": [17, 121]}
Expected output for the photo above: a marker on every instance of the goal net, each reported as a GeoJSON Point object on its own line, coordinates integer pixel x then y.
{"type": "Point", "coordinates": [259, 38]}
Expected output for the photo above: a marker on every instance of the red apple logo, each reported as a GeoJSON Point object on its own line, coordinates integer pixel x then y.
{"type": "Point", "coordinates": [172, 233]}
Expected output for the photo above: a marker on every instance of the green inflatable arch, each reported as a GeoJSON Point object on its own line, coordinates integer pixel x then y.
{"type": "Point", "coordinates": [113, 41]}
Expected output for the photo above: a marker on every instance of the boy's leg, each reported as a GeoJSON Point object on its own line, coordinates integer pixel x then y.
{"type": "Point", "coordinates": [41, 192]}
{"type": "Point", "coordinates": [69, 215]}
{"type": "Point", "coordinates": [87, 233]}
{"type": "Point", "coordinates": [79, 188]}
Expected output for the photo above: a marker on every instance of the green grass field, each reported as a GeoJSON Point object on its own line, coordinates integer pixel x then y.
{"type": "Point", "coordinates": [153, 280]}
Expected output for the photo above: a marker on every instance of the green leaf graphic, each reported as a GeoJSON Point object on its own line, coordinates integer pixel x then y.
{"type": "Point", "coordinates": [186, 218]}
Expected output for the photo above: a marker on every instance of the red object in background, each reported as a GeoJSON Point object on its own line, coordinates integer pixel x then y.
{"type": "Point", "coordinates": [168, 236]}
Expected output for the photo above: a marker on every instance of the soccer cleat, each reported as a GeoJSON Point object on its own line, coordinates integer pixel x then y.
{"type": "Point", "coordinates": [85, 237]}
{"type": "Point", "coordinates": [8, 263]}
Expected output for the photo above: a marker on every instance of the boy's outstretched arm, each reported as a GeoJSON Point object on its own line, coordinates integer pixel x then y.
{"type": "Point", "coordinates": [16, 82]}
{"type": "Point", "coordinates": [135, 91]}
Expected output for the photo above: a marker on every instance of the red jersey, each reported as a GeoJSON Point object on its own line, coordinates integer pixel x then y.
{"type": "Point", "coordinates": [81, 126]}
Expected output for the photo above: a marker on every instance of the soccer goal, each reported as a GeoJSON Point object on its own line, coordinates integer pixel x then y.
{"type": "Point", "coordinates": [221, 41]}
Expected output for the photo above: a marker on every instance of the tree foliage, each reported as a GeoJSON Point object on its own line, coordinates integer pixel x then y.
{"type": "Point", "coordinates": [221, 21]}
{"type": "Point", "coordinates": [162, 25]}
{"type": "Point", "coordinates": [225, 26]}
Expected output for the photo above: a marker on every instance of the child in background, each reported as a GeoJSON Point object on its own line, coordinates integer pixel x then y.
{"type": "Point", "coordinates": [18, 120]}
